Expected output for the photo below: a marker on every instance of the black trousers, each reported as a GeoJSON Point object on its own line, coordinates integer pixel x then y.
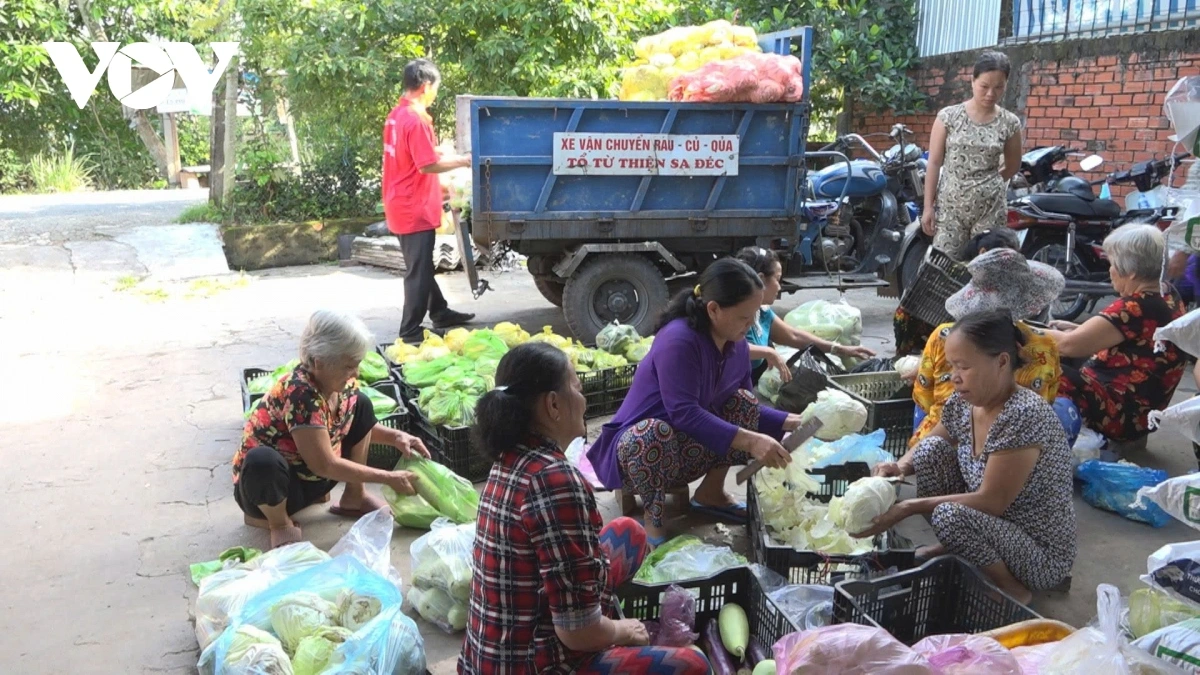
{"type": "Point", "coordinates": [421, 293]}
{"type": "Point", "coordinates": [268, 478]}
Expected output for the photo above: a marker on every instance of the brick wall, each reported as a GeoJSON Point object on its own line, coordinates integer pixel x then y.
{"type": "Point", "coordinates": [1101, 95]}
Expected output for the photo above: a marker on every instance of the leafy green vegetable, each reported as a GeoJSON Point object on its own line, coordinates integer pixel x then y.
{"type": "Point", "coordinates": [298, 615]}
{"type": "Point", "coordinates": [315, 652]}
{"type": "Point", "coordinates": [604, 360]}
{"type": "Point", "coordinates": [356, 610]}
{"type": "Point", "coordinates": [253, 650]}
{"type": "Point", "coordinates": [645, 572]}
{"type": "Point", "coordinates": [615, 338]}
{"type": "Point", "coordinates": [410, 510]}
{"type": "Point", "coordinates": [382, 403]}
{"type": "Point", "coordinates": [437, 607]}
{"type": "Point", "coordinates": [422, 374]}
{"type": "Point", "coordinates": [373, 368]}
{"type": "Point", "coordinates": [452, 495]}
{"type": "Point", "coordinates": [637, 351]}
{"type": "Point", "coordinates": [484, 343]}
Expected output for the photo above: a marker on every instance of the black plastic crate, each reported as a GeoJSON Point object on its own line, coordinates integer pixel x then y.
{"type": "Point", "coordinates": [249, 399]}
{"type": "Point", "coordinates": [605, 390]}
{"type": "Point", "coordinates": [889, 403]}
{"type": "Point", "coordinates": [737, 584]}
{"type": "Point", "coordinates": [945, 595]}
{"type": "Point", "coordinates": [380, 456]}
{"type": "Point", "coordinates": [408, 393]}
{"type": "Point", "coordinates": [450, 446]}
{"type": "Point", "coordinates": [814, 567]}
{"type": "Point", "coordinates": [938, 278]}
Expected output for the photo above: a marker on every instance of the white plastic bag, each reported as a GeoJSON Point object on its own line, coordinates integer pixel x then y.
{"type": "Point", "coordinates": [837, 321]}
{"type": "Point", "coordinates": [441, 574]}
{"type": "Point", "coordinates": [1183, 417]}
{"type": "Point", "coordinates": [694, 561]}
{"type": "Point", "coordinates": [1183, 332]}
{"type": "Point", "coordinates": [1087, 446]}
{"type": "Point", "coordinates": [908, 367]}
{"type": "Point", "coordinates": [370, 541]}
{"type": "Point", "coordinates": [1091, 651]}
{"type": "Point", "coordinates": [1178, 644]}
{"type": "Point", "coordinates": [1175, 570]}
{"type": "Point", "coordinates": [223, 594]}
{"type": "Point", "coordinates": [839, 414]}
{"type": "Point", "coordinates": [1179, 497]}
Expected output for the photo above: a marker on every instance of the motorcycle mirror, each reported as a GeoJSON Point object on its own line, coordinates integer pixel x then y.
{"type": "Point", "coordinates": [1091, 162]}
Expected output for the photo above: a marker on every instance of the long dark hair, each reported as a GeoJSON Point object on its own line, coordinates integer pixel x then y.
{"type": "Point", "coordinates": [761, 260]}
{"type": "Point", "coordinates": [993, 332]}
{"type": "Point", "coordinates": [503, 415]}
{"type": "Point", "coordinates": [727, 282]}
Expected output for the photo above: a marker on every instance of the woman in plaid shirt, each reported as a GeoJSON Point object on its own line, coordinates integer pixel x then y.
{"type": "Point", "coordinates": [542, 597]}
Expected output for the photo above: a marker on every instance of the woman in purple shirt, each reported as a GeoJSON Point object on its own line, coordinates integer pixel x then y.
{"type": "Point", "coordinates": [690, 412]}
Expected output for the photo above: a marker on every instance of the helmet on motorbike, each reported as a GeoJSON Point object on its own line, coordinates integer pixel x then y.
{"type": "Point", "coordinates": [1074, 185]}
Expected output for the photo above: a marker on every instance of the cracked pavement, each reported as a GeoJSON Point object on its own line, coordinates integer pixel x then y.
{"type": "Point", "coordinates": [123, 411]}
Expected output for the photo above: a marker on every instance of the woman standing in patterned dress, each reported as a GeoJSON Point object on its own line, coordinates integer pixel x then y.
{"type": "Point", "coordinates": [995, 474]}
{"type": "Point", "coordinates": [974, 149]}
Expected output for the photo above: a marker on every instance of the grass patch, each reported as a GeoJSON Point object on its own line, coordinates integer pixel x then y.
{"type": "Point", "coordinates": [154, 294]}
{"type": "Point", "coordinates": [206, 288]}
{"type": "Point", "coordinates": [60, 172]}
{"type": "Point", "coordinates": [201, 213]}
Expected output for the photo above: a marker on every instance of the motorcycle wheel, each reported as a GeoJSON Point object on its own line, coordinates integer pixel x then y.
{"type": "Point", "coordinates": [1068, 306]}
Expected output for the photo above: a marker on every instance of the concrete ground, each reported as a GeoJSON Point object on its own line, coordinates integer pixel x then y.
{"type": "Point", "coordinates": [123, 412]}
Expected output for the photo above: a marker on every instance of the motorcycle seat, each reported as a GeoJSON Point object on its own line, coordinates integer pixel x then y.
{"type": "Point", "coordinates": [1074, 206]}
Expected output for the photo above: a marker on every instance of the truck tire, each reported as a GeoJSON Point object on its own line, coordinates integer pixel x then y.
{"type": "Point", "coordinates": [550, 287]}
{"type": "Point", "coordinates": [625, 288]}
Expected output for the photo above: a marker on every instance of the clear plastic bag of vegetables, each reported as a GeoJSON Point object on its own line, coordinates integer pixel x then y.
{"type": "Point", "coordinates": [380, 402]}
{"type": "Point", "coordinates": [616, 337]}
{"type": "Point", "coordinates": [484, 343]}
{"type": "Point", "coordinates": [837, 321]}
{"type": "Point", "coordinates": [338, 616]}
{"type": "Point", "coordinates": [441, 574]}
{"type": "Point", "coordinates": [426, 373]}
{"type": "Point", "coordinates": [449, 493]}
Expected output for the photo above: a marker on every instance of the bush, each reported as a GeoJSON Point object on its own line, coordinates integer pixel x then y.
{"type": "Point", "coordinates": [14, 175]}
{"type": "Point", "coordinates": [63, 172]}
{"type": "Point", "coordinates": [201, 213]}
{"type": "Point", "coordinates": [332, 187]}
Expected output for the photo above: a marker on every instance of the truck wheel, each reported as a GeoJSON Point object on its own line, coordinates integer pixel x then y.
{"type": "Point", "coordinates": [625, 288]}
{"type": "Point", "coordinates": [550, 288]}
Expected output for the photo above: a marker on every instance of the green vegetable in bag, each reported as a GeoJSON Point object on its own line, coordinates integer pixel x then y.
{"type": "Point", "coordinates": [637, 351]}
{"type": "Point", "coordinates": [646, 571]}
{"type": "Point", "coordinates": [410, 510]}
{"type": "Point", "coordinates": [615, 338]}
{"type": "Point", "coordinates": [426, 374]}
{"type": "Point", "coordinates": [382, 403]}
{"type": "Point", "coordinates": [451, 407]}
{"type": "Point", "coordinates": [484, 343]}
{"type": "Point", "coordinates": [452, 495]}
{"type": "Point", "coordinates": [315, 651]}
{"type": "Point", "coordinates": [604, 361]}
{"type": "Point", "coordinates": [372, 368]}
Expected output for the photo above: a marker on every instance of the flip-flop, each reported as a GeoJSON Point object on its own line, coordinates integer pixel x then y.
{"type": "Point", "coordinates": [735, 513]}
{"type": "Point", "coordinates": [654, 542]}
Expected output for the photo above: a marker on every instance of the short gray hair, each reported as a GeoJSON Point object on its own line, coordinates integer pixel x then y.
{"type": "Point", "coordinates": [1136, 250]}
{"type": "Point", "coordinates": [331, 335]}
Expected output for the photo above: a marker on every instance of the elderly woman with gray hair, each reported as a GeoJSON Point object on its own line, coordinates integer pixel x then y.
{"type": "Point", "coordinates": [311, 431]}
{"type": "Point", "coordinates": [1124, 378]}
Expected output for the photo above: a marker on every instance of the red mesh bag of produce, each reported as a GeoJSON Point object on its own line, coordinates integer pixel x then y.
{"type": "Point", "coordinates": [766, 91]}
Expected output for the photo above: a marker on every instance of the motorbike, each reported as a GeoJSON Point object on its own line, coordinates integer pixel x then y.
{"type": "Point", "coordinates": [1042, 168]}
{"type": "Point", "coordinates": [1066, 226]}
{"type": "Point", "coordinates": [861, 207]}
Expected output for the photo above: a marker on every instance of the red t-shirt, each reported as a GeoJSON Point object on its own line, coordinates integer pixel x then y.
{"type": "Point", "coordinates": [412, 201]}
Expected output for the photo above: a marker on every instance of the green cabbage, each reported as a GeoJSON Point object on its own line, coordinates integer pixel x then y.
{"type": "Point", "coordinates": [315, 651]}
{"type": "Point", "coordinates": [637, 351]}
{"type": "Point", "coordinates": [356, 610]}
{"type": "Point", "coordinates": [260, 384]}
{"type": "Point", "coordinates": [437, 607]}
{"type": "Point", "coordinates": [285, 369]}
{"type": "Point", "coordinates": [452, 495]}
{"type": "Point", "coordinates": [837, 321]}
{"type": "Point", "coordinates": [298, 615]}
{"type": "Point", "coordinates": [615, 338]}
{"type": "Point", "coordinates": [604, 360]}
{"type": "Point", "coordinates": [426, 373]}
{"type": "Point", "coordinates": [382, 403]}
{"type": "Point", "coordinates": [253, 650]}
{"type": "Point", "coordinates": [839, 413]}
{"type": "Point", "coordinates": [865, 500]}
{"type": "Point", "coordinates": [372, 368]}
{"type": "Point", "coordinates": [448, 573]}
{"type": "Point", "coordinates": [452, 408]}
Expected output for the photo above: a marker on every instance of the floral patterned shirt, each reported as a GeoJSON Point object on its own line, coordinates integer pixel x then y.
{"type": "Point", "coordinates": [294, 402]}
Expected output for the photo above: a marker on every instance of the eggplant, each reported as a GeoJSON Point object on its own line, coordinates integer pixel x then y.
{"type": "Point", "coordinates": [755, 653]}
{"type": "Point", "coordinates": [718, 658]}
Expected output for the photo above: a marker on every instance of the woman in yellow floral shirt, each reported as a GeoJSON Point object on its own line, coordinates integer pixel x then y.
{"type": "Point", "coordinates": [1000, 279]}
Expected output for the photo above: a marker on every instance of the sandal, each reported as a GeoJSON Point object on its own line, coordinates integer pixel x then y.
{"type": "Point", "coordinates": [734, 513]}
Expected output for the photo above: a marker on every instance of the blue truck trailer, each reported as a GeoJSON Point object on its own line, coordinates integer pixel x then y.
{"type": "Point", "coordinates": [616, 204]}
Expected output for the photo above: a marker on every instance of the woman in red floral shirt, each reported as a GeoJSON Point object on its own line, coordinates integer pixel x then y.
{"type": "Point", "coordinates": [311, 431]}
{"type": "Point", "coordinates": [1125, 378]}
{"type": "Point", "coordinates": [545, 567]}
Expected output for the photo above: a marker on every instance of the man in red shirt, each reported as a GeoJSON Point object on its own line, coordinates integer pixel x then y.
{"type": "Point", "coordinates": [412, 198]}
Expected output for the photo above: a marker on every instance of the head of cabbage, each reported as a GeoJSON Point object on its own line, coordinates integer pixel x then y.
{"type": "Point", "coordinates": [839, 413]}
{"type": "Point", "coordinates": [298, 615]}
{"type": "Point", "coordinates": [253, 650]}
{"type": "Point", "coordinates": [315, 652]}
{"type": "Point", "coordinates": [865, 500]}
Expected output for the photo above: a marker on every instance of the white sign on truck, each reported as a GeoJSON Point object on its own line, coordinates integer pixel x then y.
{"type": "Point", "coordinates": [578, 154]}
